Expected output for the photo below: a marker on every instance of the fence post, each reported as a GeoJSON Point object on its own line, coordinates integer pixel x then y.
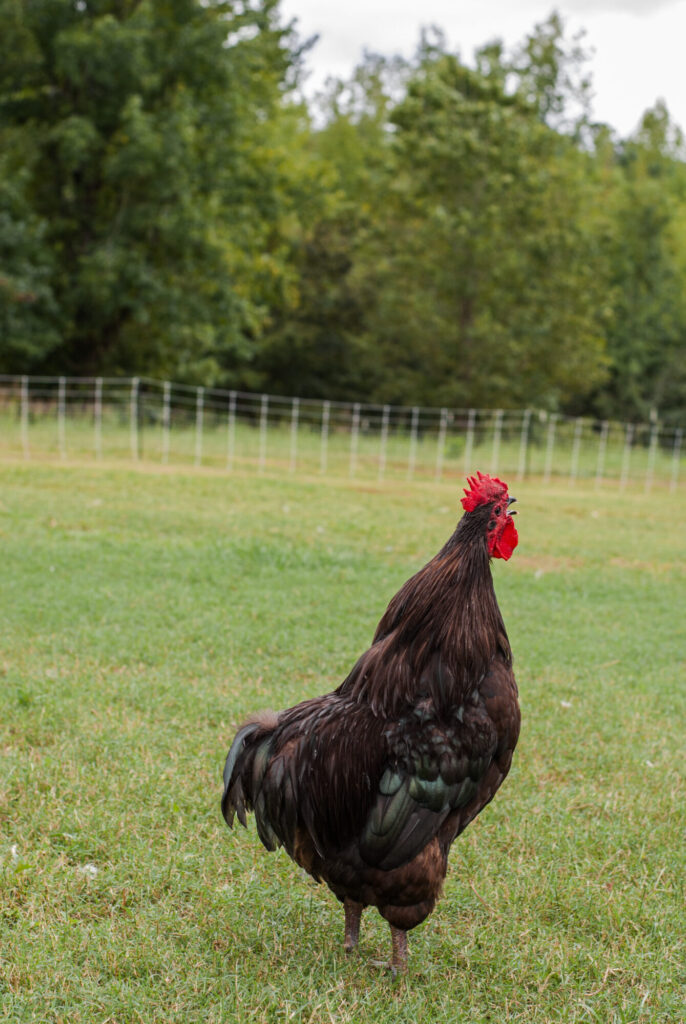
{"type": "Point", "coordinates": [523, 444]}
{"type": "Point", "coordinates": [354, 434]}
{"type": "Point", "coordinates": [295, 410]}
{"type": "Point", "coordinates": [323, 456]}
{"type": "Point", "coordinates": [133, 417]}
{"type": "Point", "coordinates": [549, 447]}
{"type": "Point", "coordinates": [25, 417]}
{"type": "Point", "coordinates": [97, 417]}
{"type": "Point", "coordinates": [264, 412]}
{"type": "Point", "coordinates": [676, 456]}
{"type": "Point", "coordinates": [574, 469]}
{"type": "Point", "coordinates": [652, 450]}
{"type": "Point", "coordinates": [61, 402]}
{"type": "Point", "coordinates": [166, 419]}
{"type": "Point", "coordinates": [497, 431]}
{"type": "Point", "coordinates": [602, 446]}
{"type": "Point", "coordinates": [440, 447]}
{"type": "Point", "coordinates": [199, 408]}
{"type": "Point", "coordinates": [626, 455]}
{"type": "Point", "coordinates": [384, 440]}
{"type": "Point", "coordinates": [469, 443]}
{"type": "Point", "coordinates": [231, 431]}
{"type": "Point", "coordinates": [412, 457]}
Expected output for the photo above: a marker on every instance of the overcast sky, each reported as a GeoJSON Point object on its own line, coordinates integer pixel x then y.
{"type": "Point", "coordinates": [638, 45]}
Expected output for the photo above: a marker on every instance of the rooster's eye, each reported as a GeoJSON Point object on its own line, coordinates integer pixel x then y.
{"type": "Point", "coordinates": [497, 511]}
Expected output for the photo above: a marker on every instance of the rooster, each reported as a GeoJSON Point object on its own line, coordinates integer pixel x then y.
{"type": "Point", "coordinates": [367, 787]}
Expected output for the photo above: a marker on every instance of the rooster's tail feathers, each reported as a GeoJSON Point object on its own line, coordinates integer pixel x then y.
{"type": "Point", "coordinates": [233, 800]}
{"type": "Point", "coordinates": [244, 770]}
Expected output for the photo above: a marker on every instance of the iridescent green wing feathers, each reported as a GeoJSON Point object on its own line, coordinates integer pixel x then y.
{"type": "Point", "coordinates": [434, 769]}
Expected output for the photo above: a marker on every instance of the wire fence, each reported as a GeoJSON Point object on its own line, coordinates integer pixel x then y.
{"type": "Point", "coordinates": [144, 419]}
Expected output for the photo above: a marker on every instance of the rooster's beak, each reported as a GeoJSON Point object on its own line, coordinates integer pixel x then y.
{"type": "Point", "coordinates": [509, 502]}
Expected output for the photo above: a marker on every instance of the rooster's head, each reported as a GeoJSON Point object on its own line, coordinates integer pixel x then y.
{"type": "Point", "coordinates": [488, 496]}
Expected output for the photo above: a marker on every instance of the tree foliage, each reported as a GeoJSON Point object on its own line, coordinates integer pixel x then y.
{"type": "Point", "coordinates": [646, 259]}
{"type": "Point", "coordinates": [143, 124]}
{"type": "Point", "coordinates": [430, 231]}
{"type": "Point", "coordinates": [486, 231]}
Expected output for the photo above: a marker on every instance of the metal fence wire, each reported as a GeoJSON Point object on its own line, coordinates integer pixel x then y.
{"type": "Point", "coordinates": [139, 418]}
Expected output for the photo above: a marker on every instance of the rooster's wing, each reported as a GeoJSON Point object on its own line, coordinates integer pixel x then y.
{"type": "Point", "coordinates": [434, 768]}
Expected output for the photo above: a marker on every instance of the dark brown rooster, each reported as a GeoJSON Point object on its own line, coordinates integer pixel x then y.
{"type": "Point", "coordinates": [368, 786]}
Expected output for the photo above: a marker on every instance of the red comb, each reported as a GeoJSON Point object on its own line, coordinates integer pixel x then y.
{"type": "Point", "coordinates": [483, 488]}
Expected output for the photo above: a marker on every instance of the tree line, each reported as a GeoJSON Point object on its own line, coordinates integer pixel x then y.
{"type": "Point", "coordinates": [433, 231]}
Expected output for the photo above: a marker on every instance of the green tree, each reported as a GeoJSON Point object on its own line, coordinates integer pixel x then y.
{"type": "Point", "coordinates": [646, 259]}
{"type": "Point", "coordinates": [488, 277]}
{"type": "Point", "coordinates": [143, 120]}
{"type": "Point", "coordinates": [29, 321]}
{"type": "Point", "coordinates": [551, 75]}
{"type": "Point", "coordinates": [315, 339]}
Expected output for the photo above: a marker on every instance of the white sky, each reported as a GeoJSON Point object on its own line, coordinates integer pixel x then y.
{"type": "Point", "coordinates": [639, 46]}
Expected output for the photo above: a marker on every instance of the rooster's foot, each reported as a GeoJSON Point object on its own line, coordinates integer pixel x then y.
{"type": "Point", "coordinates": [398, 962]}
{"type": "Point", "coordinates": [396, 971]}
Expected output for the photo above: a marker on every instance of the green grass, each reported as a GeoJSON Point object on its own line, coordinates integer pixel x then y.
{"type": "Point", "coordinates": [145, 613]}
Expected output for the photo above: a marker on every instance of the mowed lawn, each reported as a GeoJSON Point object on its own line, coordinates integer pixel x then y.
{"type": "Point", "coordinates": [144, 614]}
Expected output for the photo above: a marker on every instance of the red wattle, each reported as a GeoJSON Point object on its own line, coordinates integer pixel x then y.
{"type": "Point", "coordinates": [507, 541]}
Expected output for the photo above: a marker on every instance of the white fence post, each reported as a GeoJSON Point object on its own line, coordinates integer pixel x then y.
{"type": "Point", "coordinates": [469, 443]}
{"type": "Point", "coordinates": [602, 447]}
{"type": "Point", "coordinates": [549, 448]}
{"type": "Point", "coordinates": [199, 416]}
{"type": "Point", "coordinates": [676, 454]}
{"type": "Point", "coordinates": [497, 431]}
{"type": "Point", "coordinates": [61, 402]}
{"type": "Point", "coordinates": [25, 417]}
{"type": "Point", "coordinates": [97, 417]}
{"type": "Point", "coordinates": [166, 419]}
{"type": "Point", "coordinates": [323, 455]}
{"type": "Point", "coordinates": [440, 446]}
{"type": "Point", "coordinates": [384, 440]}
{"type": "Point", "coordinates": [264, 412]}
{"type": "Point", "coordinates": [133, 415]}
{"type": "Point", "coordinates": [295, 411]}
{"type": "Point", "coordinates": [652, 451]}
{"type": "Point", "coordinates": [523, 444]}
{"type": "Point", "coordinates": [412, 457]}
{"type": "Point", "coordinates": [354, 435]}
{"type": "Point", "coordinates": [626, 455]}
{"type": "Point", "coordinates": [231, 431]}
{"type": "Point", "coordinates": [576, 445]}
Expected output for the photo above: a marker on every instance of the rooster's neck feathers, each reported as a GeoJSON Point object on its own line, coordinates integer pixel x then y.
{"type": "Point", "coordinates": [439, 633]}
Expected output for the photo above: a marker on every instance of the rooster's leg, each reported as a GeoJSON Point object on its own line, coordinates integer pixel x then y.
{"type": "Point", "coordinates": [398, 963]}
{"type": "Point", "coordinates": [353, 913]}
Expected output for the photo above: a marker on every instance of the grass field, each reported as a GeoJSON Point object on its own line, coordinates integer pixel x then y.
{"type": "Point", "coordinates": [144, 613]}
